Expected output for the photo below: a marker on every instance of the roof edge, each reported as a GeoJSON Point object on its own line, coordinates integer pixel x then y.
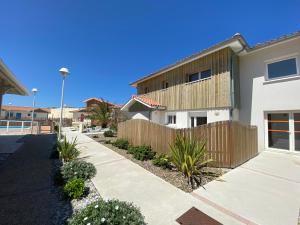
{"type": "Point", "coordinates": [13, 80]}
{"type": "Point", "coordinates": [216, 47]}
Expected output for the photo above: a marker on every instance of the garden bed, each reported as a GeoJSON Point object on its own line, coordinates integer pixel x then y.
{"type": "Point", "coordinates": [173, 176]}
{"type": "Point", "coordinates": [64, 208]}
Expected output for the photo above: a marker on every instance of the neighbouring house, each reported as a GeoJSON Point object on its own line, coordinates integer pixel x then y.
{"type": "Point", "coordinates": [257, 85]}
{"type": "Point", "coordinates": [23, 113]}
{"type": "Point", "coordinates": [81, 115]}
{"type": "Point", "coordinates": [67, 112]}
{"type": "Point", "coordinates": [9, 84]}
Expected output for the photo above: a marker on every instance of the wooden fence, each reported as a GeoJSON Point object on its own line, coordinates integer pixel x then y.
{"type": "Point", "coordinates": [229, 143]}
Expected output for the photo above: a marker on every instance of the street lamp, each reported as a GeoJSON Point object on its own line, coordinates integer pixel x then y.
{"type": "Point", "coordinates": [64, 72]}
{"type": "Point", "coordinates": [34, 91]}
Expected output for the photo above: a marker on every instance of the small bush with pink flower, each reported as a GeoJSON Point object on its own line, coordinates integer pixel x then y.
{"type": "Point", "coordinates": [108, 212]}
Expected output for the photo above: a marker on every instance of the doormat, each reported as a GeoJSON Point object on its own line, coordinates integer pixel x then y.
{"type": "Point", "coordinates": [195, 217]}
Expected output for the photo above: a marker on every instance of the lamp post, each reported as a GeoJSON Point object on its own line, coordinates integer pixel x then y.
{"type": "Point", "coordinates": [34, 91]}
{"type": "Point", "coordinates": [64, 72]}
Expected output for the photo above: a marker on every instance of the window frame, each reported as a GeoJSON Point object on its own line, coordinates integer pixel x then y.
{"type": "Point", "coordinates": [199, 76]}
{"type": "Point", "coordinates": [283, 58]}
{"type": "Point", "coordinates": [173, 119]}
{"type": "Point", "coordinates": [164, 84]}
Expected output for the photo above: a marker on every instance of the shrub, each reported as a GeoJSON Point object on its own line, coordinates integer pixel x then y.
{"type": "Point", "coordinates": [67, 150]}
{"type": "Point", "coordinates": [142, 152]}
{"type": "Point", "coordinates": [56, 128]}
{"type": "Point", "coordinates": [132, 149]}
{"type": "Point", "coordinates": [107, 141]}
{"type": "Point", "coordinates": [74, 189]}
{"type": "Point", "coordinates": [121, 143]}
{"type": "Point", "coordinates": [189, 155]}
{"type": "Point", "coordinates": [108, 212]}
{"type": "Point", "coordinates": [108, 133]}
{"type": "Point", "coordinates": [78, 169]}
{"type": "Point", "coordinates": [162, 161]}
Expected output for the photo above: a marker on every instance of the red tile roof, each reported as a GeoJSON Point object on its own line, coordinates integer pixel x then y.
{"type": "Point", "coordinates": [23, 108]}
{"type": "Point", "coordinates": [147, 101]}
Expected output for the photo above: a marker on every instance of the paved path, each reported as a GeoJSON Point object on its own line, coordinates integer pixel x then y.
{"type": "Point", "coordinates": [265, 190]}
{"type": "Point", "coordinates": [119, 178]}
{"type": "Point", "coordinates": [25, 180]}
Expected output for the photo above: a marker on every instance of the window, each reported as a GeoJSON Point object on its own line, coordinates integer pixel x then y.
{"type": "Point", "coordinates": [28, 114]}
{"type": "Point", "coordinates": [171, 119]}
{"type": "Point", "coordinates": [198, 121]}
{"type": "Point", "coordinates": [164, 84]}
{"type": "Point", "coordinates": [193, 77]}
{"type": "Point", "coordinates": [205, 74]}
{"type": "Point", "coordinates": [146, 90]}
{"type": "Point", "coordinates": [282, 68]}
{"type": "Point", "coordinates": [199, 76]}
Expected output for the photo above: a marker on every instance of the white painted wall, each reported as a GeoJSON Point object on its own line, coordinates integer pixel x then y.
{"type": "Point", "coordinates": [182, 119]}
{"type": "Point", "coordinates": [25, 115]}
{"type": "Point", "coordinates": [67, 113]}
{"type": "Point", "coordinates": [138, 115]}
{"type": "Point", "coordinates": [258, 96]}
{"type": "Point", "coordinates": [158, 117]}
{"type": "Point", "coordinates": [218, 115]}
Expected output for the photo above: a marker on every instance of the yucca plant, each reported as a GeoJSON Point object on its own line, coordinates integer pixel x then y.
{"type": "Point", "coordinates": [189, 155]}
{"type": "Point", "coordinates": [67, 150]}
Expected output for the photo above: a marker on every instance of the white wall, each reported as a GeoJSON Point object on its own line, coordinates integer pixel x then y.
{"type": "Point", "coordinates": [218, 115]}
{"type": "Point", "coordinates": [257, 95]}
{"type": "Point", "coordinates": [158, 117]}
{"type": "Point", "coordinates": [25, 115]}
{"type": "Point", "coordinates": [67, 113]}
{"type": "Point", "coordinates": [139, 115]}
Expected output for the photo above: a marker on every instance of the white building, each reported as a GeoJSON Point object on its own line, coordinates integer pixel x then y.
{"type": "Point", "coordinates": [23, 113]}
{"type": "Point", "coordinates": [67, 113]}
{"type": "Point", "coordinates": [256, 85]}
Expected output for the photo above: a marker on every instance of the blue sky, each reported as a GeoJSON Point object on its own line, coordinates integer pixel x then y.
{"type": "Point", "coordinates": [107, 44]}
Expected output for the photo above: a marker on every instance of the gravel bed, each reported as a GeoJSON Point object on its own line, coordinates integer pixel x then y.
{"type": "Point", "coordinates": [65, 208]}
{"type": "Point", "coordinates": [172, 176]}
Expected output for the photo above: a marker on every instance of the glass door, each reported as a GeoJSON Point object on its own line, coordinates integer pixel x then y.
{"type": "Point", "coordinates": [297, 131]}
{"type": "Point", "coordinates": [278, 130]}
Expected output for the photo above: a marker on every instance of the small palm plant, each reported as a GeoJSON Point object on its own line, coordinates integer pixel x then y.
{"type": "Point", "coordinates": [189, 156]}
{"type": "Point", "coordinates": [67, 150]}
{"type": "Point", "coordinates": [101, 113]}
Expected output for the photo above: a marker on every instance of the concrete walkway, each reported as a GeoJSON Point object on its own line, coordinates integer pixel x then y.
{"type": "Point", "coordinates": [265, 190]}
{"type": "Point", "coordinates": [119, 178]}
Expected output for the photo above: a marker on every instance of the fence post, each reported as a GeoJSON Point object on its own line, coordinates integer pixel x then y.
{"type": "Point", "coordinates": [22, 128]}
{"type": "Point", "coordinates": [7, 126]}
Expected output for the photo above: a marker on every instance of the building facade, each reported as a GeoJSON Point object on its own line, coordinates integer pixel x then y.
{"type": "Point", "coordinates": [23, 113]}
{"type": "Point", "coordinates": [230, 81]}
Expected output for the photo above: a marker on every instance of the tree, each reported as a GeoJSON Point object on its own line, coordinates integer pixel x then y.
{"type": "Point", "coordinates": [101, 113]}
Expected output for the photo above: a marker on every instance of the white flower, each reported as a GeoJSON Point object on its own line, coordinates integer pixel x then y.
{"type": "Point", "coordinates": [96, 206]}
{"type": "Point", "coordinates": [75, 173]}
{"type": "Point", "coordinates": [88, 224]}
{"type": "Point", "coordinates": [105, 200]}
{"type": "Point", "coordinates": [124, 217]}
{"type": "Point", "coordinates": [117, 207]}
{"type": "Point", "coordinates": [102, 220]}
{"type": "Point", "coordinates": [85, 218]}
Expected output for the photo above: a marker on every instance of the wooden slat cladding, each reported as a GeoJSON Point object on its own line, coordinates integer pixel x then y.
{"type": "Point", "coordinates": [228, 143]}
{"type": "Point", "coordinates": [209, 93]}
